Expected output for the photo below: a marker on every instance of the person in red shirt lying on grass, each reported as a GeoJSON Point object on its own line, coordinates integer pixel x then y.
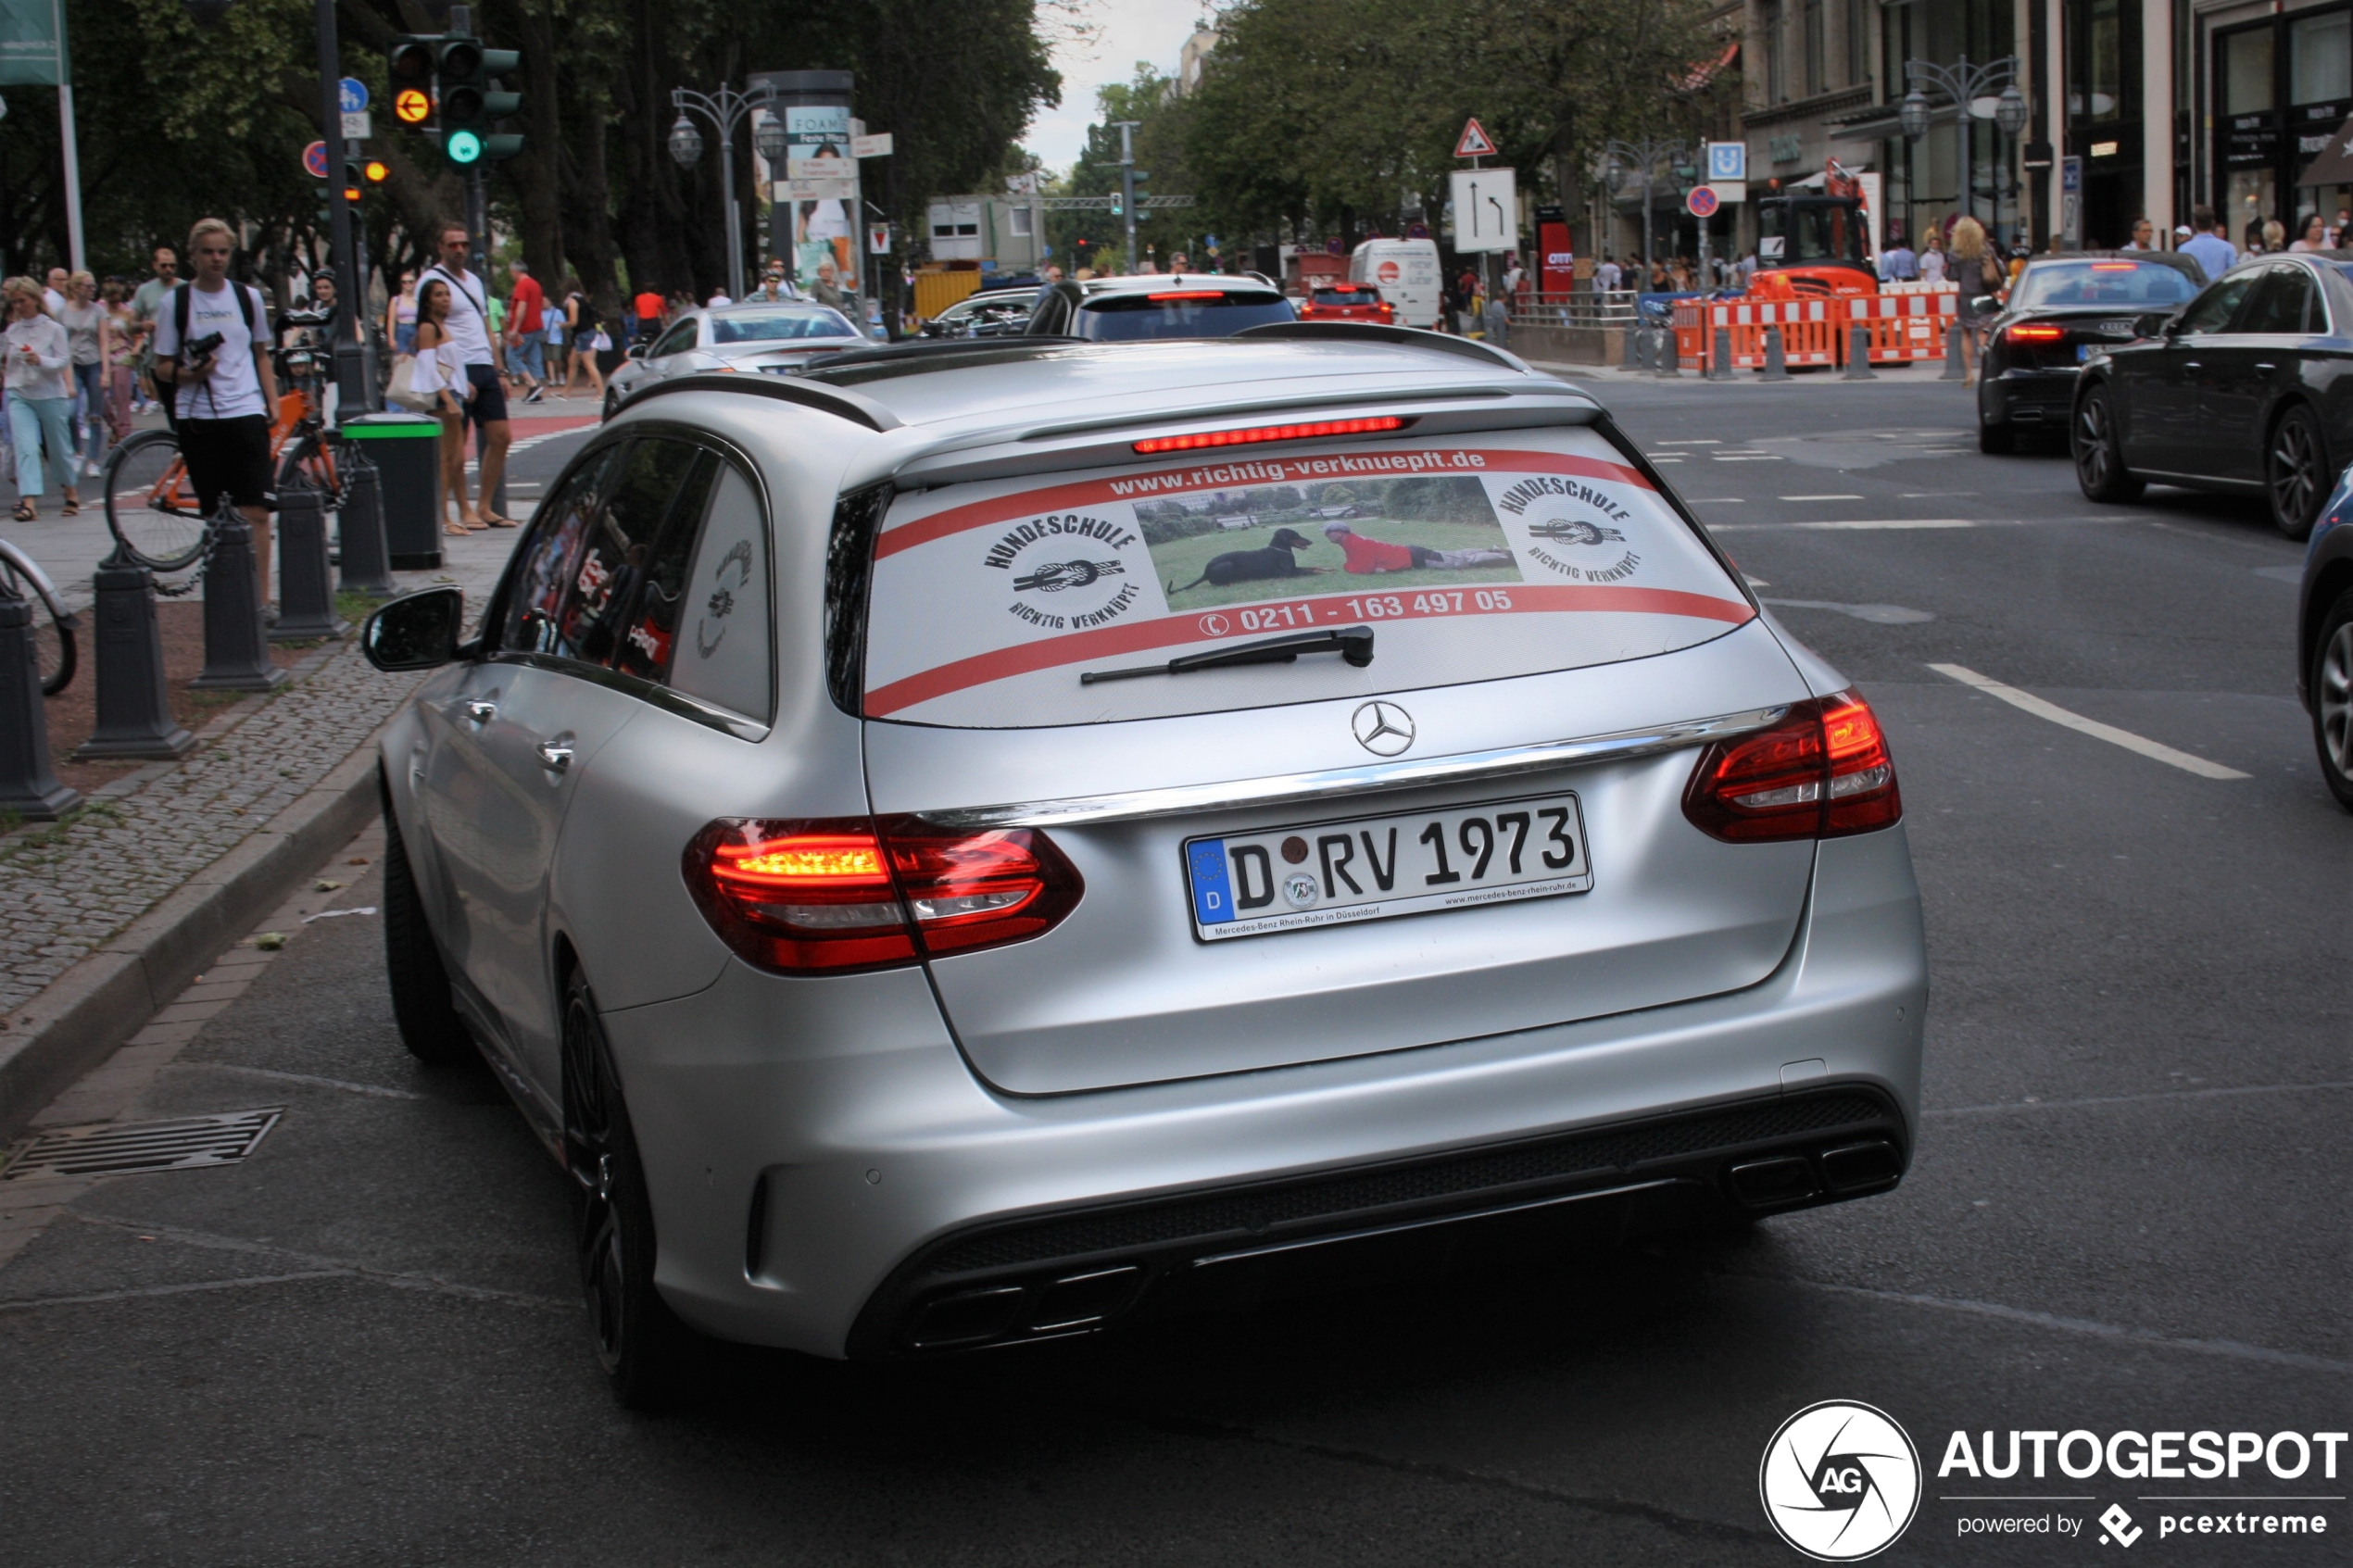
{"type": "Point", "coordinates": [1372, 554]}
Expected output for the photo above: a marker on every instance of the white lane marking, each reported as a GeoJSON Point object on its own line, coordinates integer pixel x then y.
{"type": "Point", "coordinates": [1719, 500]}
{"type": "Point", "coordinates": [1878, 615]}
{"type": "Point", "coordinates": [375, 1090]}
{"type": "Point", "coordinates": [1931, 495]}
{"type": "Point", "coordinates": [1883, 525]}
{"type": "Point", "coordinates": [1692, 442]}
{"type": "Point", "coordinates": [2226, 1092]}
{"type": "Point", "coordinates": [2030, 703]}
{"type": "Point", "coordinates": [1745, 457]}
{"type": "Point", "coordinates": [1821, 497]}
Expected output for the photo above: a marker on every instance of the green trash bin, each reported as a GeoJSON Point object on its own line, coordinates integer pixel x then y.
{"type": "Point", "coordinates": [406, 449]}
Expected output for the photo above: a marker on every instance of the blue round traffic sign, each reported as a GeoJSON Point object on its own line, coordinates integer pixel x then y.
{"type": "Point", "coordinates": [354, 96]}
{"type": "Point", "coordinates": [1701, 203]}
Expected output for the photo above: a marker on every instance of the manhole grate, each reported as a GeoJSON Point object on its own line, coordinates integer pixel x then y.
{"type": "Point", "coordinates": [118, 1147]}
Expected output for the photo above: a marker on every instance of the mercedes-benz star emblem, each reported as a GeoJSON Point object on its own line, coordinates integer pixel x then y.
{"type": "Point", "coordinates": [1383, 728]}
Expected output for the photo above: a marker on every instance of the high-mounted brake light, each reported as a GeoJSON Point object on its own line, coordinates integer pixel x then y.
{"type": "Point", "coordinates": [839, 893]}
{"type": "Point", "coordinates": [2116, 266]}
{"type": "Point", "coordinates": [1823, 772]}
{"type": "Point", "coordinates": [2027, 333]}
{"type": "Point", "coordinates": [1187, 294]}
{"type": "Point", "coordinates": [1253, 433]}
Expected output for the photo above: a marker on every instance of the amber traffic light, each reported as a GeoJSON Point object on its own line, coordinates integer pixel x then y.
{"type": "Point", "coordinates": [412, 106]}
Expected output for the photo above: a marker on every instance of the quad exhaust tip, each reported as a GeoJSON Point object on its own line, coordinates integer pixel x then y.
{"type": "Point", "coordinates": [1843, 1170]}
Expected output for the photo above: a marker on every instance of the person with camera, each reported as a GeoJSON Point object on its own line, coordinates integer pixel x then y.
{"type": "Point", "coordinates": [470, 330]}
{"type": "Point", "coordinates": [212, 354]}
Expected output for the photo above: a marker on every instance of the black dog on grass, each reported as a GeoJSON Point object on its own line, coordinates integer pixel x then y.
{"type": "Point", "coordinates": [1249, 566]}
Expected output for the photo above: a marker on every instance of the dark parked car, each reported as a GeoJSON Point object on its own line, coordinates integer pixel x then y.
{"type": "Point", "coordinates": [2247, 388]}
{"type": "Point", "coordinates": [2061, 311]}
{"type": "Point", "coordinates": [996, 312]}
{"type": "Point", "coordinates": [2324, 640]}
{"type": "Point", "coordinates": [1159, 305]}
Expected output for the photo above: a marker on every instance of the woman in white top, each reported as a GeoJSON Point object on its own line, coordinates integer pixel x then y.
{"type": "Point", "coordinates": [441, 374]}
{"type": "Point", "coordinates": [1932, 260]}
{"type": "Point", "coordinates": [87, 330]}
{"type": "Point", "coordinates": [39, 397]}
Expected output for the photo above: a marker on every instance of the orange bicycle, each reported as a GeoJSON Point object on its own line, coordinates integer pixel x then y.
{"type": "Point", "coordinates": [151, 507]}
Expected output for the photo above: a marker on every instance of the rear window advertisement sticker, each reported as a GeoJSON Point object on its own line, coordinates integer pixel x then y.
{"type": "Point", "coordinates": [728, 580]}
{"type": "Point", "coordinates": [988, 598]}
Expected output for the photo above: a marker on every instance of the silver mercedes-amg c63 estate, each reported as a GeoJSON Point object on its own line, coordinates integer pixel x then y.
{"type": "Point", "coordinates": [991, 838]}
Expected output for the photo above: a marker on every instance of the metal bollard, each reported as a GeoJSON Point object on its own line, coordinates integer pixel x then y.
{"type": "Point", "coordinates": [1720, 363]}
{"type": "Point", "coordinates": [1776, 364]}
{"type": "Point", "coordinates": [1859, 354]}
{"type": "Point", "coordinates": [28, 785]}
{"type": "Point", "coordinates": [367, 562]}
{"type": "Point", "coordinates": [1669, 353]}
{"type": "Point", "coordinates": [1956, 358]}
{"type": "Point", "coordinates": [1631, 356]}
{"type": "Point", "coordinates": [237, 655]}
{"type": "Point", "coordinates": [134, 717]}
{"type": "Point", "coordinates": [306, 586]}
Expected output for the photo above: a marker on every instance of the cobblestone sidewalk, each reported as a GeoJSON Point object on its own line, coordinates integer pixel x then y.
{"type": "Point", "coordinates": [64, 890]}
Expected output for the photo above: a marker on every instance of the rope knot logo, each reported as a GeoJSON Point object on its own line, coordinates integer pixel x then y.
{"type": "Point", "coordinates": [1840, 1481]}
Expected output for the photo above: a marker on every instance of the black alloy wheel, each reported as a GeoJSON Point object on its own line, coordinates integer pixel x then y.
{"type": "Point", "coordinates": [2099, 456]}
{"type": "Point", "coordinates": [429, 1024]}
{"type": "Point", "coordinates": [2332, 698]}
{"type": "Point", "coordinates": [2296, 472]}
{"type": "Point", "coordinates": [639, 1342]}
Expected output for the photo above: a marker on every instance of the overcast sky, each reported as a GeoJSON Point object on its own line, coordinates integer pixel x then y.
{"type": "Point", "coordinates": [1128, 31]}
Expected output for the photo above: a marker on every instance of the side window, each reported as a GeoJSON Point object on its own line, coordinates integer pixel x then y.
{"type": "Point", "coordinates": [620, 541]}
{"type": "Point", "coordinates": [677, 340]}
{"type": "Point", "coordinates": [2213, 310]}
{"type": "Point", "coordinates": [2281, 304]}
{"type": "Point", "coordinates": [651, 641]}
{"type": "Point", "coordinates": [724, 654]}
{"type": "Point", "coordinates": [542, 564]}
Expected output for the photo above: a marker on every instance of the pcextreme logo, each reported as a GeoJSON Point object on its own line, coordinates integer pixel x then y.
{"type": "Point", "coordinates": [1841, 1481]}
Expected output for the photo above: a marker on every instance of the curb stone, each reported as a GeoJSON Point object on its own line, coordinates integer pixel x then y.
{"type": "Point", "coordinates": [80, 1019]}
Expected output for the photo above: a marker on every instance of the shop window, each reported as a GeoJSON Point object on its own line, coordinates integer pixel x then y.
{"type": "Point", "coordinates": [2248, 84]}
{"type": "Point", "coordinates": [2320, 58]}
{"type": "Point", "coordinates": [1814, 50]}
{"type": "Point", "coordinates": [1768, 24]}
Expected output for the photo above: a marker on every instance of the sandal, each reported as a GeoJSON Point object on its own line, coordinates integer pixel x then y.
{"type": "Point", "coordinates": [73, 506]}
{"type": "Point", "coordinates": [27, 512]}
{"type": "Point", "coordinates": [456, 530]}
{"type": "Point", "coordinates": [492, 519]}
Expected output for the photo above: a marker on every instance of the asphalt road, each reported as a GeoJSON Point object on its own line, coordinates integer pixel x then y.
{"type": "Point", "coordinates": [2128, 1208]}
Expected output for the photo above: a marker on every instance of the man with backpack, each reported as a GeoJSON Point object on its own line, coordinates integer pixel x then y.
{"type": "Point", "coordinates": [212, 360]}
{"type": "Point", "coordinates": [469, 328]}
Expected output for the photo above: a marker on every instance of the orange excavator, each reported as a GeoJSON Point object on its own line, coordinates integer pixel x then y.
{"type": "Point", "coordinates": [1811, 245]}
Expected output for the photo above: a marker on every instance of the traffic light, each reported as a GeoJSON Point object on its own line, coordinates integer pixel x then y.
{"type": "Point", "coordinates": [471, 102]}
{"type": "Point", "coordinates": [410, 60]}
{"type": "Point", "coordinates": [1118, 204]}
{"type": "Point", "coordinates": [1142, 212]}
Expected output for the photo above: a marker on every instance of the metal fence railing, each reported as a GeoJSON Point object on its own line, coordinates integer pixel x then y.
{"type": "Point", "coordinates": [1580, 308]}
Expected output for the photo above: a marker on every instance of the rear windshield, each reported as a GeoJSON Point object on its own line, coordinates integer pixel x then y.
{"type": "Point", "coordinates": [2050, 284]}
{"type": "Point", "coordinates": [783, 326]}
{"type": "Point", "coordinates": [1472, 557]}
{"type": "Point", "coordinates": [1180, 313]}
{"type": "Point", "coordinates": [1347, 296]}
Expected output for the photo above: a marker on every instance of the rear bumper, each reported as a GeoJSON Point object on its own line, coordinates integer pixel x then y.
{"type": "Point", "coordinates": [2040, 396]}
{"type": "Point", "coordinates": [826, 1172]}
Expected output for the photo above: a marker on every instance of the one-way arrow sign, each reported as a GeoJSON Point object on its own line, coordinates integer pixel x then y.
{"type": "Point", "coordinates": [1475, 143]}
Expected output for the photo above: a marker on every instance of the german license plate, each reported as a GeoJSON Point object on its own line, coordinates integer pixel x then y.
{"type": "Point", "coordinates": [1373, 867]}
{"type": "Point", "coordinates": [2083, 351]}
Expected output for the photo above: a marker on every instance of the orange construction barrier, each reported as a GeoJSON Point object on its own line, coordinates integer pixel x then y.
{"type": "Point", "coordinates": [1810, 330]}
{"type": "Point", "coordinates": [1905, 328]}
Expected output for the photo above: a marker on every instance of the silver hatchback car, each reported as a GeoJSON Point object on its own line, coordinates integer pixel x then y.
{"type": "Point", "coordinates": [987, 839]}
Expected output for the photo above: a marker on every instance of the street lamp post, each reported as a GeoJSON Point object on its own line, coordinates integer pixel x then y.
{"type": "Point", "coordinates": [1965, 83]}
{"type": "Point", "coordinates": [725, 110]}
{"type": "Point", "coordinates": [1644, 156]}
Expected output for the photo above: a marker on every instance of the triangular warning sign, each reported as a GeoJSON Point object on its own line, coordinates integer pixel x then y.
{"type": "Point", "coordinates": [1476, 143]}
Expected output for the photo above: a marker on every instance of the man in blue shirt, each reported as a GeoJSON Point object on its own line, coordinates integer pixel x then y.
{"type": "Point", "coordinates": [1896, 263]}
{"type": "Point", "coordinates": [2209, 248]}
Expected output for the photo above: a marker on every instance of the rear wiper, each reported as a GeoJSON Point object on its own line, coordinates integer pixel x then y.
{"type": "Point", "coordinates": [1353, 644]}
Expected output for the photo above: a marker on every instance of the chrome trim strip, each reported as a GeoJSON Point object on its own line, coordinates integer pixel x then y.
{"type": "Point", "coordinates": [1283, 789]}
{"type": "Point", "coordinates": [1556, 1201]}
{"type": "Point", "coordinates": [645, 691]}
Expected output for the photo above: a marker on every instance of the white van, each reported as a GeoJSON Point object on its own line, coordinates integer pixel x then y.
{"type": "Point", "coordinates": [1406, 273]}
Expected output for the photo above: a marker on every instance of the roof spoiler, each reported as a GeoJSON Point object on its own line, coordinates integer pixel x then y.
{"type": "Point", "coordinates": [1406, 337]}
{"type": "Point", "coordinates": [784, 389]}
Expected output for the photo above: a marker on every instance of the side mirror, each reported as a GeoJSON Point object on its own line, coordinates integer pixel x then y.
{"type": "Point", "coordinates": [1986, 304]}
{"type": "Point", "coordinates": [415, 632]}
{"type": "Point", "coordinates": [639, 350]}
{"type": "Point", "coordinates": [2154, 323]}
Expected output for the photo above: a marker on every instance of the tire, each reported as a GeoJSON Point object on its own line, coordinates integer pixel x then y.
{"type": "Point", "coordinates": [297, 463]}
{"type": "Point", "coordinates": [1998, 441]}
{"type": "Point", "coordinates": [2099, 456]}
{"type": "Point", "coordinates": [168, 536]}
{"type": "Point", "coordinates": [2332, 698]}
{"type": "Point", "coordinates": [613, 405]}
{"type": "Point", "coordinates": [2297, 476]}
{"type": "Point", "coordinates": [56, 656]}
{"type": "Point", "coordinates": [430, 1025]}
{"type": "Point", "coordinates": [640, 1344]}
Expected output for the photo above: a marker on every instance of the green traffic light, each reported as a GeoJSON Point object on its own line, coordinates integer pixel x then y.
{"type": "Point", "coordinates": [463, 146]}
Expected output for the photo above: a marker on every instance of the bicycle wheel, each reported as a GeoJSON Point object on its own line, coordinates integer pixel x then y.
{"type": "Point", "coordinates": [151, 508]}
{"type": "Point", "coordinates": [308, 459]}
{"type": "Point", "coordinates": [54, 654]}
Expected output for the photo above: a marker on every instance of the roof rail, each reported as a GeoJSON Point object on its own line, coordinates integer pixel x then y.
{"type": "Point", "coordinates": [1374, 332]}
{"type": "Point", "coordinates": [930, 348]}
{"type": "Point", "coordinates": [825, 399]}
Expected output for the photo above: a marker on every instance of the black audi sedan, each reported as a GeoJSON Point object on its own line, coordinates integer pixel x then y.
{"type": "Point", "coordinates": [2247, 388]}
{"type": "Point", "coordinates": [2061, 311]}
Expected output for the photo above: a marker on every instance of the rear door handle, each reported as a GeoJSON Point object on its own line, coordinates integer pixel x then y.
{"type": "Point", "coordinates": [2267, 370]}
{"type": "Point", "coordinates": [554, 757]}
{"type": "Point", "coordinates": [481, 712]}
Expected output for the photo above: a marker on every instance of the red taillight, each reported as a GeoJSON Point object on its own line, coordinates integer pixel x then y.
{"type": "Point", "coordinates": [1270, 432]}
{"type": "Point", "coordinates": [796, 897]}
{"type": "Point", "coordinates": [2030, 333]}
{"type": "Point", "coordinates": [1823, 772]}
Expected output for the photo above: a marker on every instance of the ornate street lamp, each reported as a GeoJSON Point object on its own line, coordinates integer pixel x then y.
{"type": "Point", "coordinates": [1964, 83]}
{"type": "Point", "coordinates": [2010, 113]}
{"type": "Point", "coordinates": [768, 138]}
{"type": "Point", "coordinates": [685, 142]}
{"type": "Point", "coordinates": [1914, 114]}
